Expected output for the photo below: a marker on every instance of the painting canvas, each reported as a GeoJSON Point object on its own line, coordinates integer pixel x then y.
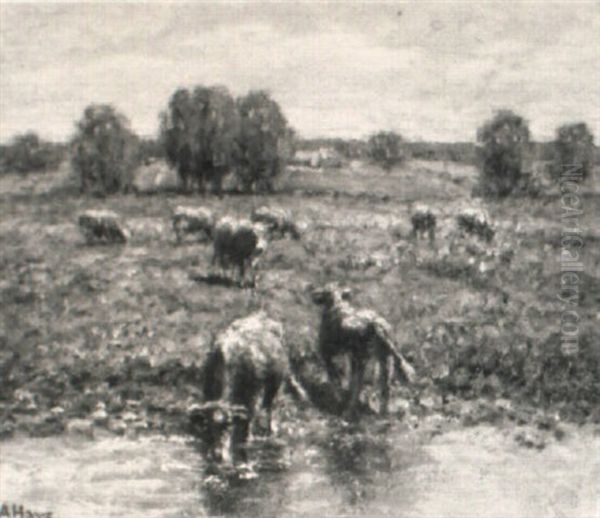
{"type": "Point", "coordinates": [313, 259]}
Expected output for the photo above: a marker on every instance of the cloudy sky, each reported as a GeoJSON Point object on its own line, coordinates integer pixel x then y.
{"type": "Point", "coordinates": [430, 70]}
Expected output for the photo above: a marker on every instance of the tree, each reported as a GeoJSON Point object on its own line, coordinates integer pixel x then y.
{"type": "Point", "coordinates": [503, 142]}
{"type": "Point", "coordinates": [28, 153]}
{"type": "Point", "coordinates": [574, 145]}
{"type": "Point", "coordinates": [385, 149]}
{"type": "Point", "coordinates": [198, 132]}
{"type": "Point", "coordinates": [104, 150]}
{"type": "Point", "coordinates": [265, 142]}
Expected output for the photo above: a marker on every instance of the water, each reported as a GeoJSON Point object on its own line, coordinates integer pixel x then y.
{"type": "Point", "coordinates": [328, 471]}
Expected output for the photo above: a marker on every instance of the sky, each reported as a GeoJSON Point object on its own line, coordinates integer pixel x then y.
{"type": "Point", "coordinates": [428, 70]}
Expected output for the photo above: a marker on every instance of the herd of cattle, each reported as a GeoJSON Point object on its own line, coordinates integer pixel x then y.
{"type": "Point", "coordinates": [249, 357]}
{"type": "Point", "coordinates": [239, 242]}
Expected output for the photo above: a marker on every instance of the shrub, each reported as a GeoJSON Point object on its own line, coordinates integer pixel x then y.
{"type": "Point", "coordinates": [198, 132]}
{"type": "Point", "coordinates": [104, 151]}
{"type": "Point", "coordinates": [28, 153]}
{"type": "Point", "coordinates": [385, 149]}
{"type": "Point", "coordinates": [503, 142]}
{"type": "Point", "coordinates": [574, 145]}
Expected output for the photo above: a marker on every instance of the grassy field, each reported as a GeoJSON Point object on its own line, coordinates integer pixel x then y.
{"type": "Point", "coordinates": [123, 329]}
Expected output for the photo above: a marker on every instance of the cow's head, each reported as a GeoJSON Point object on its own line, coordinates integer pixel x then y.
{"type": "Point", "coordinates": [329, 294]}
{"type": "Point", "coordinates": [212, 423]}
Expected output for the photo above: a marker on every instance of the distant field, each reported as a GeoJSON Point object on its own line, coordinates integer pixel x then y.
{"type": "Point", "coordinates": [86, 324]}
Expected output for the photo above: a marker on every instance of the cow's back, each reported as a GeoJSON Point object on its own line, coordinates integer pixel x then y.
{"type": "Point", "coordinates": [253, 346]}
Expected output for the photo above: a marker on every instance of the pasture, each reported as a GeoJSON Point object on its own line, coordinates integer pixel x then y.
{"type": "Point", "coordinates": [123, 329]}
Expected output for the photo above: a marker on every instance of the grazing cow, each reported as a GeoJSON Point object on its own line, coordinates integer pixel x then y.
{"type": "Point", "coordinates": [423, 222]}
{"type": "Point", "coordinates": [279, 222]}
{"type": "Point", "coordinates": [246, 360]}
{"type": "Point", "coordinates": [102, 226]}
{"type": "Point", "coordinates": [193, 220]}
{"type": "Point", "coordinates": [475, 221]}
{"type": "Point", "coordinates": [361, 334]}
{"type": "Point", "coordinates": [238, 243]}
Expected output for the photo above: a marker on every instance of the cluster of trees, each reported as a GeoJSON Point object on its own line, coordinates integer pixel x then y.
{"type": "Point", "coordinates": [205, 134]}
{"type": "Point", "coordinates": [504, 144]}
{"type": "Point", "coordinates": [28, 153]}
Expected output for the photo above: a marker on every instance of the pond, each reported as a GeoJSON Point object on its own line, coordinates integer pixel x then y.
{"type": "Point", "coordinates": [330, 471]}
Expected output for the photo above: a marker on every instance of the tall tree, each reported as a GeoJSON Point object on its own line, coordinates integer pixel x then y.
{"type": "Point", "coordinates": [385, 149]}
{"type": "Point", "coordinates": [265, 141]}
{"type": "Point", "coordinates": [574, 146]}
{"type": "Point", "coordinates": [198, 131]}
{"type": "Point", "coordinates": [104, 150]}
{"type": "Point", "coordinates": [503, 141]}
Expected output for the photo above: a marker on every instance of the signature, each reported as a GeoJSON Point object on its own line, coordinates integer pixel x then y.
{"type": "Point", "coordinates": [20, 511]}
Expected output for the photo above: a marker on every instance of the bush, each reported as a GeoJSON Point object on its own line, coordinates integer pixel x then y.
{"type": "Point", "coordinates": [385, 149]}
{"type": "Point", "coordinates": [503, 142]}
{"type": "Point", "coordinates": [265, 141]}
{"type": "Point", "coordinates": [198, 132]}
{"type": "Point", "coordinates": [574, 147]}
{"type": "Point", "coordinates": [28, 153]}
{"type": "Point", "coordinates": [104, 151]}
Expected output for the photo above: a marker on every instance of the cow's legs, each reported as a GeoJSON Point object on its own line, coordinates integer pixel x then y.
{"type": "Point", "coordinates": [358, 374]}
{"type": "Point", "coordinates": [242, 272]}
{"type": "Point", "coordinates": [272, 385]}
{"type": "Point", "coordinates": [384, 383]}
{"type": "Point", "coordinates": [239, 437]}
{"type": "Point", "coordinates": [332, 372]}
{"type": "Point", "coordinates": [243, 395]}
{"type": "Point", "coordinates": [432, 234]}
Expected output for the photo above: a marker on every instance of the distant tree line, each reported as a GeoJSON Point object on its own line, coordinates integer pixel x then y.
{"type": "Point", "coordinates": [28, 153]}
{"type": "Point", "coordinates": [352, 149]}
{"type": "Point", "coordinates": [462, 152]}
{"type": "Point", "coordinates": [206, 134]}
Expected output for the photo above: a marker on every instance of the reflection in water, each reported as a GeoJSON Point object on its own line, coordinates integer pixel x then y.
{"type": "Point", "coordinates": [324, 469]}
{"type": "Point", "coordinates": [353, 456]}
{"type": "Point", "coordinates": [348, 461]}
{"type": "Point", "coordinates": [255, 489]}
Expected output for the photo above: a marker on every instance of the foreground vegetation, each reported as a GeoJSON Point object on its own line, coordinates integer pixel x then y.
{"type": "Point", "coordinates": [116, 335]}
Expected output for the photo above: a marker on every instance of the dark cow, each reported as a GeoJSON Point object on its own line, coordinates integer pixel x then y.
{"type": "Point", "coordinates": [362, 334]}
{"type": "Point", "coordinates": [102, 226]}
{"type": "Point", "coordinates": [423, 222]}
{"type": "Point", "coordinates": [238, 244]}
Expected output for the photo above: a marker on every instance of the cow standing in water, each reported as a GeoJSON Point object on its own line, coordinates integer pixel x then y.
{"type": "Point", "coordinates": [246, 361]}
